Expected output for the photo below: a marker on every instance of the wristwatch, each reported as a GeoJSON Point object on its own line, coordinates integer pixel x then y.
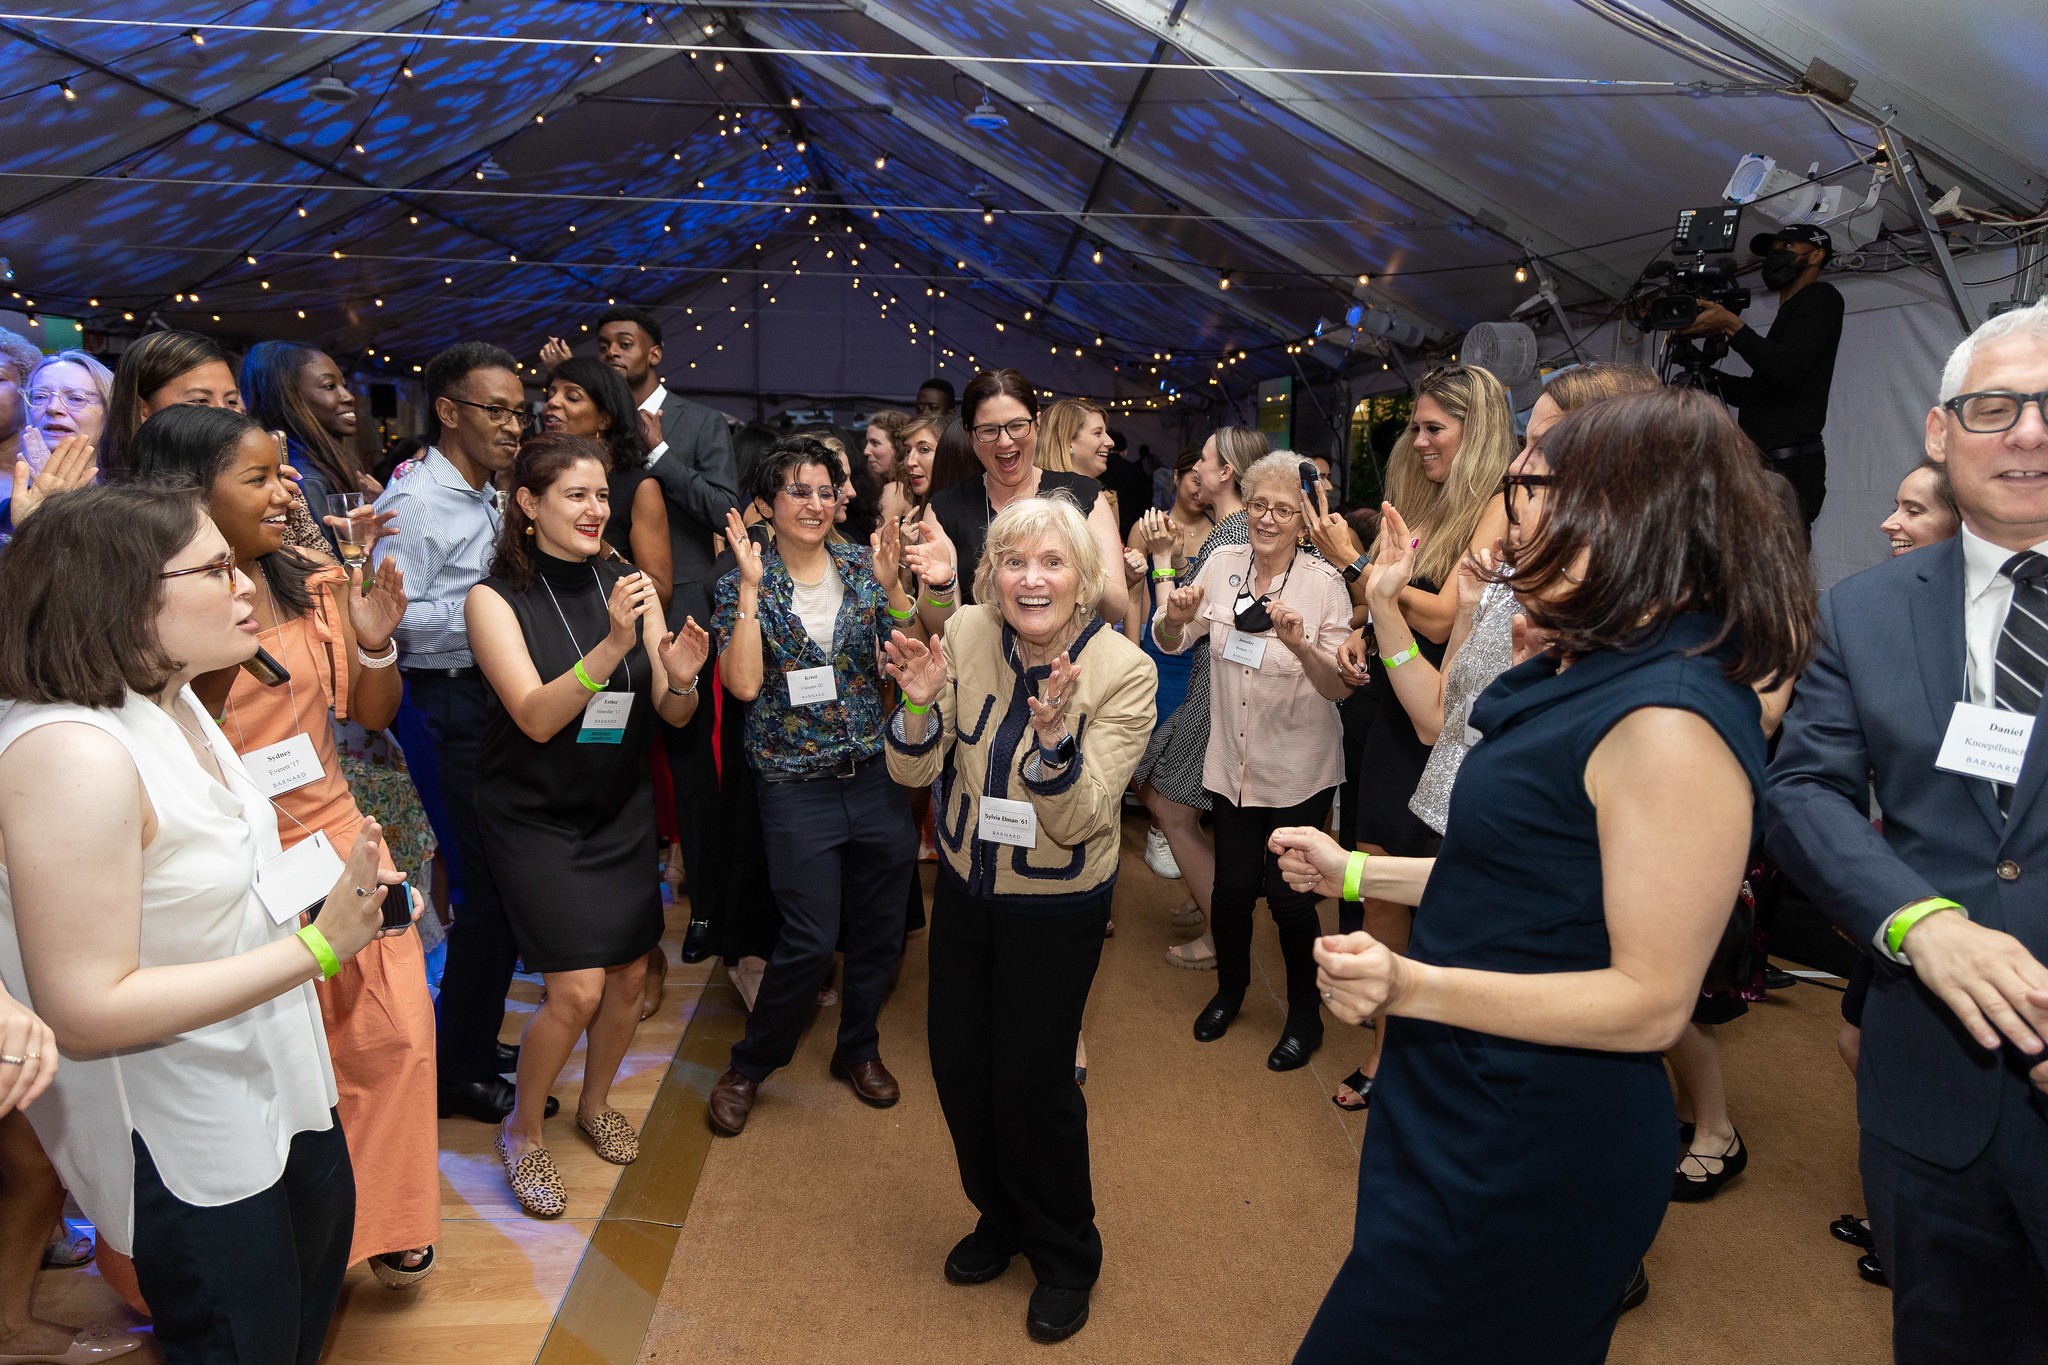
{"type": "Point", "coordinates": [1355, 569]}
{"type": "Point", "coordinates": [1060, 755]}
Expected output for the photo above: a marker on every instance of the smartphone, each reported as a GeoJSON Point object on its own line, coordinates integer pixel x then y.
{"type": "Point", "coordinates": [265, 669]}
{"type": "Point", "coordinates": [398, 906]}
{"type": "Point", "coordinates": [1311, 478]}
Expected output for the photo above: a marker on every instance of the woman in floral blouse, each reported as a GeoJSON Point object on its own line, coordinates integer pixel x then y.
{"type": "Point", "coordinates": [799, 628]}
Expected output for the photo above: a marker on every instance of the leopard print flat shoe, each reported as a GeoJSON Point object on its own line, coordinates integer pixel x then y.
{"type": "Point", "coordinates": [613, 1137]}
{"type": "Point", "coordinates": [536, 1184]}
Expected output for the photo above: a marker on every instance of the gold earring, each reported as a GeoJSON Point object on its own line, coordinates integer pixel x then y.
{"type": "Point", "coordinates": [529, 530]}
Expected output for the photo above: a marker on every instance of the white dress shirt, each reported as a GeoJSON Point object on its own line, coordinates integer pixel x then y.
{"type": "Point", "coordinates": [1987, 596]}
{"type": "Point", "coordinates": [653, 405]}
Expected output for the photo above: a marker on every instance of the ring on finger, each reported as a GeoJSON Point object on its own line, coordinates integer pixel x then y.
{"type": "Point", "coordinates": [11, 1060]}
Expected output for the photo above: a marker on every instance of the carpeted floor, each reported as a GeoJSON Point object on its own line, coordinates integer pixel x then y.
{"type": "Point", "coordinates": [1224, 1194]}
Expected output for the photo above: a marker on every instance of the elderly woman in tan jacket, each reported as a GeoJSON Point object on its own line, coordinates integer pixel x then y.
{"type": "Point", "coordinates": [1030, 716]}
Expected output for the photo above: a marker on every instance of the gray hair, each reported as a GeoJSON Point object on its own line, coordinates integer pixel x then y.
{"type": "Point", "coordinates": [102, 377]}
{"type": "Point", "coordinates": [1281, 466]}
{"type": "Point", "coordinates": [20, 354]}
{"type": "Point", "coordinates": [2031, 320]}
{"type": "Point", "coordinates": [1030, 520]}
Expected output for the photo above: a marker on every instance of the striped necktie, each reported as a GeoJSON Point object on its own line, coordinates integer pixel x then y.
{"type": "Point", "coordinates": [2021, 663]}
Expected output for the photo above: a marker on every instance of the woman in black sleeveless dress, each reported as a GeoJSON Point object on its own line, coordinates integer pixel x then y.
{"type": "Point", "coordinates": [1519, 1157]}
{"type": "Point", "coordinates": [580, 676]}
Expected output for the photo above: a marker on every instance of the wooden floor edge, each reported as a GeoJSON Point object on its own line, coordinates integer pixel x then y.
{"type": "Point", "coordinates": [610, 1300]}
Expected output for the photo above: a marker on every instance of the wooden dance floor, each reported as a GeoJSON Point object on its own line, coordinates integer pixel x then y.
{"type": "Point", "coordinates": [1224, 1191]}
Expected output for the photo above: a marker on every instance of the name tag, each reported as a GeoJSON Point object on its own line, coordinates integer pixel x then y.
{"type": "Point", "coordinates": [299, 878]}
{"type": "Point", "coordinates": [604, 718]}
{"type": "Point", "coordinates": [1472, 736]}
{"type": "Point", "coordinates": [1241, 648]}
{"type": "Point", "coordinates": [809, 686]}
{"type": "Point", "coordinates": [1008, 822]}
{"type": "Point", "coordinates": [284, 767]}
{"type": "Point", "coordinates": [1983, 741]}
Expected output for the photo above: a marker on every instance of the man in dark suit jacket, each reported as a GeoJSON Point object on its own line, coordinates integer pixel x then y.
{"type": "Point", "coordinates": [692, 460]}
{"type": "Point", "coordinates": [1951, 899]}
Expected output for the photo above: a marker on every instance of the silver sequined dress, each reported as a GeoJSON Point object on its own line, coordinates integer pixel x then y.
{"type": "Point", "coordinates": [1487, 653]}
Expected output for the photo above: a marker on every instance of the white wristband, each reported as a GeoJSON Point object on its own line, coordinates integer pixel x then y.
{"type": "Point", "coordinates": [384, 660]}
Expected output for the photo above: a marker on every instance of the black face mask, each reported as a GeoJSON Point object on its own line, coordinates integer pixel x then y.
{"type": "Point", "coordinates": [1252, 616]}
{"type": "Point", "coordinates": [1781, 267]}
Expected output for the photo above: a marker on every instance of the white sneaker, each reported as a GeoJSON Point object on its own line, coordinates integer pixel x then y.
{"type": "Point", "coordinates": [1159, 855]}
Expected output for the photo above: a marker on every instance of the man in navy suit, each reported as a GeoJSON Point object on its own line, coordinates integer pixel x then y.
{"type": "Point", "coordinates": [1951, 899]}
{"type": "Point", "coordinates": [692, 461]}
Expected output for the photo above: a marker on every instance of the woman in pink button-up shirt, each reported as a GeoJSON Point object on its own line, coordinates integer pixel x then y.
{"type": "Point", "coordinates": [1274, 614]}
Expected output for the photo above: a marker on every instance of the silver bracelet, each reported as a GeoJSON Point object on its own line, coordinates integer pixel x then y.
{"type": "Point", "coordinates": [675, 691]}
{"type": "Point", "coordinates": [384, 660]}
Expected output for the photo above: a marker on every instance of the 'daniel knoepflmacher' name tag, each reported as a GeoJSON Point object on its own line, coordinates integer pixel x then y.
{"type": "Point", "coordinates": [1986, 742]}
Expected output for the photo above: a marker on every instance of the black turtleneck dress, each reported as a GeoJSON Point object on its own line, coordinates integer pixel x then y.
{"type": "Point", "coordinates": [569, 824]}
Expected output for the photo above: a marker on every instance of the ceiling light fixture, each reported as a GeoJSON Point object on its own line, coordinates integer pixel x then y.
{"type": "Point", "coordinates": [332, 89]}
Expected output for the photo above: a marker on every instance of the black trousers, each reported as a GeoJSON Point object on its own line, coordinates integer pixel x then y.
{"type": "Point", "coordinates": [1808, 475]}
{"type": "Point", "coordinates": [1247, 869]}
{"type": "Point", "coordinates": [1967, 1250]}
{"type": "Point", "coordinates": [481, 950]}
{"type": "Point", "coordinates": [253, 1282]}
{"type": "Point", "coordinates": [839, 852]}
{"type": "Point", "coordinates": [1007, 991]}
{"type": "Point", "coordinates": [701, 826]}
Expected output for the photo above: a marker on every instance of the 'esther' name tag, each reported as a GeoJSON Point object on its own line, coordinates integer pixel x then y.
{"type": "Point", "coordinates": [604, 718]}
{"type": "Point", "coordinates": [1008, 822]}
{"type": "Point", "coordinates": [1983, 741]}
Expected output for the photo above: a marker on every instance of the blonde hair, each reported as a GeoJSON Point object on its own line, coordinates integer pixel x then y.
{"type": "Point", "coordinates": [1034, 519]}
{"type": "Point", "coordinates": [1240, 448]}
{"type": "Point", "coordinates": [1058, 428]}
{"type": "Point", "coordinates": [1446, 516]}
{"type": "Point", "coordinates": [102, 377]}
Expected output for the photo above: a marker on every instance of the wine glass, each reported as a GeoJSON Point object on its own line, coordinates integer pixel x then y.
{"type": "Point", "coordinates": [352, 510]}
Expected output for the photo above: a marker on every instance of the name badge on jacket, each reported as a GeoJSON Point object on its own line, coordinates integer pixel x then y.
{"type": "Point", "coordinates": [604, 718]}
{"type": "Point", "coordinates": [1984, 741]}
{"type": "Point", "coordinates": [1007, 822]}
{"type": "Point", "coordinates": [1241, 648]}
{"type": "Point", "coordinates": [809, 686]}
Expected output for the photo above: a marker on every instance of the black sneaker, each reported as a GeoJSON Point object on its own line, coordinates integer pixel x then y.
{"type": "Point", "coordinates": [969, 1263]}
{"type": "Point", "coordinates": [1055, 1313]}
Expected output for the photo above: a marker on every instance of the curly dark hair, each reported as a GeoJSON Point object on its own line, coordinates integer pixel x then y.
{"type": "Point", "coordinates": [541, 460]}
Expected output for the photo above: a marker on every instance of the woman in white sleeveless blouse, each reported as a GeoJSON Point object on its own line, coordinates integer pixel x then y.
{"type": "Point", "coordinates": [192, 1110]}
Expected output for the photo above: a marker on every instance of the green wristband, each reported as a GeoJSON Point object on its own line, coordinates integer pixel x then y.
{"type": "Point", "coordinates": [1164, 575]}
{"type": "Point", "coordinates": [583, 676]}
{"type": "Point", "coordinates": [322, 951]}
{"type": "Point", "coordinates": [901, 616]}
{"type": "Point", "coordinates": [913, 708]}
{"type": "Point", "coordinates": [1395, 661]}
{"type": "Point", "coordinates": [1354, 872]}
{"type": "Point", "coordinates": [1895, 932]}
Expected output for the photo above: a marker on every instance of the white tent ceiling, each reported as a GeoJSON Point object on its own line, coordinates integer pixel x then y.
{"type": "Point", "coordinates": [1294, 145]}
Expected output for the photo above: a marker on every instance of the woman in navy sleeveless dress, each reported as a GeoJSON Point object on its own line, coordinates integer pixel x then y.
{"type": "Point", "coordinates": [1508, 1185]}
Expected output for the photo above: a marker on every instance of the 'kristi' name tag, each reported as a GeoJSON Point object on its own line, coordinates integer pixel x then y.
{"type": "Point", "coordinates": [1983, 741]}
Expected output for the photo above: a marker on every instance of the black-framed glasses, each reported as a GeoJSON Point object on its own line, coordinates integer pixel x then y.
{"type": "Point", "coordinates": [1510, 483]}
{"type": "Point", "coordinates": [989, 433]}
{"type": "Point", "coordinates": [1995, 410]}
{"type": "Point", "coordinates": [498, 413]}
{"type": "Point", "coordinates": [222, 568]}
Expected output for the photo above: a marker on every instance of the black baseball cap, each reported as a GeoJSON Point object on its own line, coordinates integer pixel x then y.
{"type": "Point", "coordinates": [1761, 244]}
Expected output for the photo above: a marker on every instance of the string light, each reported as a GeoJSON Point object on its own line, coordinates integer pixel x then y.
{"type": "Point", "coordinates": [1521, 274]}
{"type": "Point", "coordinates": [198, 38]}
{"type": "Point", "coordinates": [64, 89]}
{"type": "Point", "coordinates": [881, 163]}
{"type": "Point", "coordinates": [1223, 280]}
{"type": "Point", "coordinates": [405, 71]}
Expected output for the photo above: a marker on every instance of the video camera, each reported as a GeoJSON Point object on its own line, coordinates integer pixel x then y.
{"type": "Point", "coordinates": [1678, 286]}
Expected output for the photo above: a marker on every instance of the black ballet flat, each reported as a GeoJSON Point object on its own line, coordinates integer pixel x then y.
{"type": "Point", "coordinates": [1689, 1189]}
{"type": "Point", "coordinates": [1214, 1020]}
{"type": "Point", "coordinates": [1872, 1269]}
{"type": "Point", "coordinates": [1293, 1051]}
{"type": "Point", "coordinates": [1853, 1230]}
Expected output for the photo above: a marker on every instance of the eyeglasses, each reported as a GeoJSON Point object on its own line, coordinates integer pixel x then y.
{"type": "Point", "coordinates": [1995, 410]}
{"type": "Point", "coordinates": [1268, 511]}
{"type": "Point", "coordinates": [73, 399]}
{"type": "Point", "coordinates": [824, 493]}
{"type": "Point", "coordinates": [990, 433]}
{"type": "Point", "coordinates": [1510, 482]}
{"type": "Point", "coordinates": [222, 568]}
{"type": "Point", "coordinates": [499, 415]}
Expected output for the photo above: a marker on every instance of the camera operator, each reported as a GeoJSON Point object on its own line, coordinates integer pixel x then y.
{"type": "Point", "coordinates": [1783, 403]}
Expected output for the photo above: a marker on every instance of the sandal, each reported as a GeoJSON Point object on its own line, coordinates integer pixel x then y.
{"type": "Point", "coordinates": [393, 1273]}
{"type": "Point", "coordinates": [609, 1132]}
{"type": "Point", "coordinates": [69, 1247]}
{"type": "Point", "coordinates": [1186, 915]}
{"type": "Point", "coordinates": [1688, 1188]}
{"type": "Point", "coordinates": [1196, 955]}
{"type": "Point", "coordinates": [536, 1184]}
{"type": "Point", "coordinates": [1360, 1085]}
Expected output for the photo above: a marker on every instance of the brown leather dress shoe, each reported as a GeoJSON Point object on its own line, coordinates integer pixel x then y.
{"type": "Point", "coordinates": [870, 1080]}
{"type": "Point", "coordinates": [732, 1099]}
